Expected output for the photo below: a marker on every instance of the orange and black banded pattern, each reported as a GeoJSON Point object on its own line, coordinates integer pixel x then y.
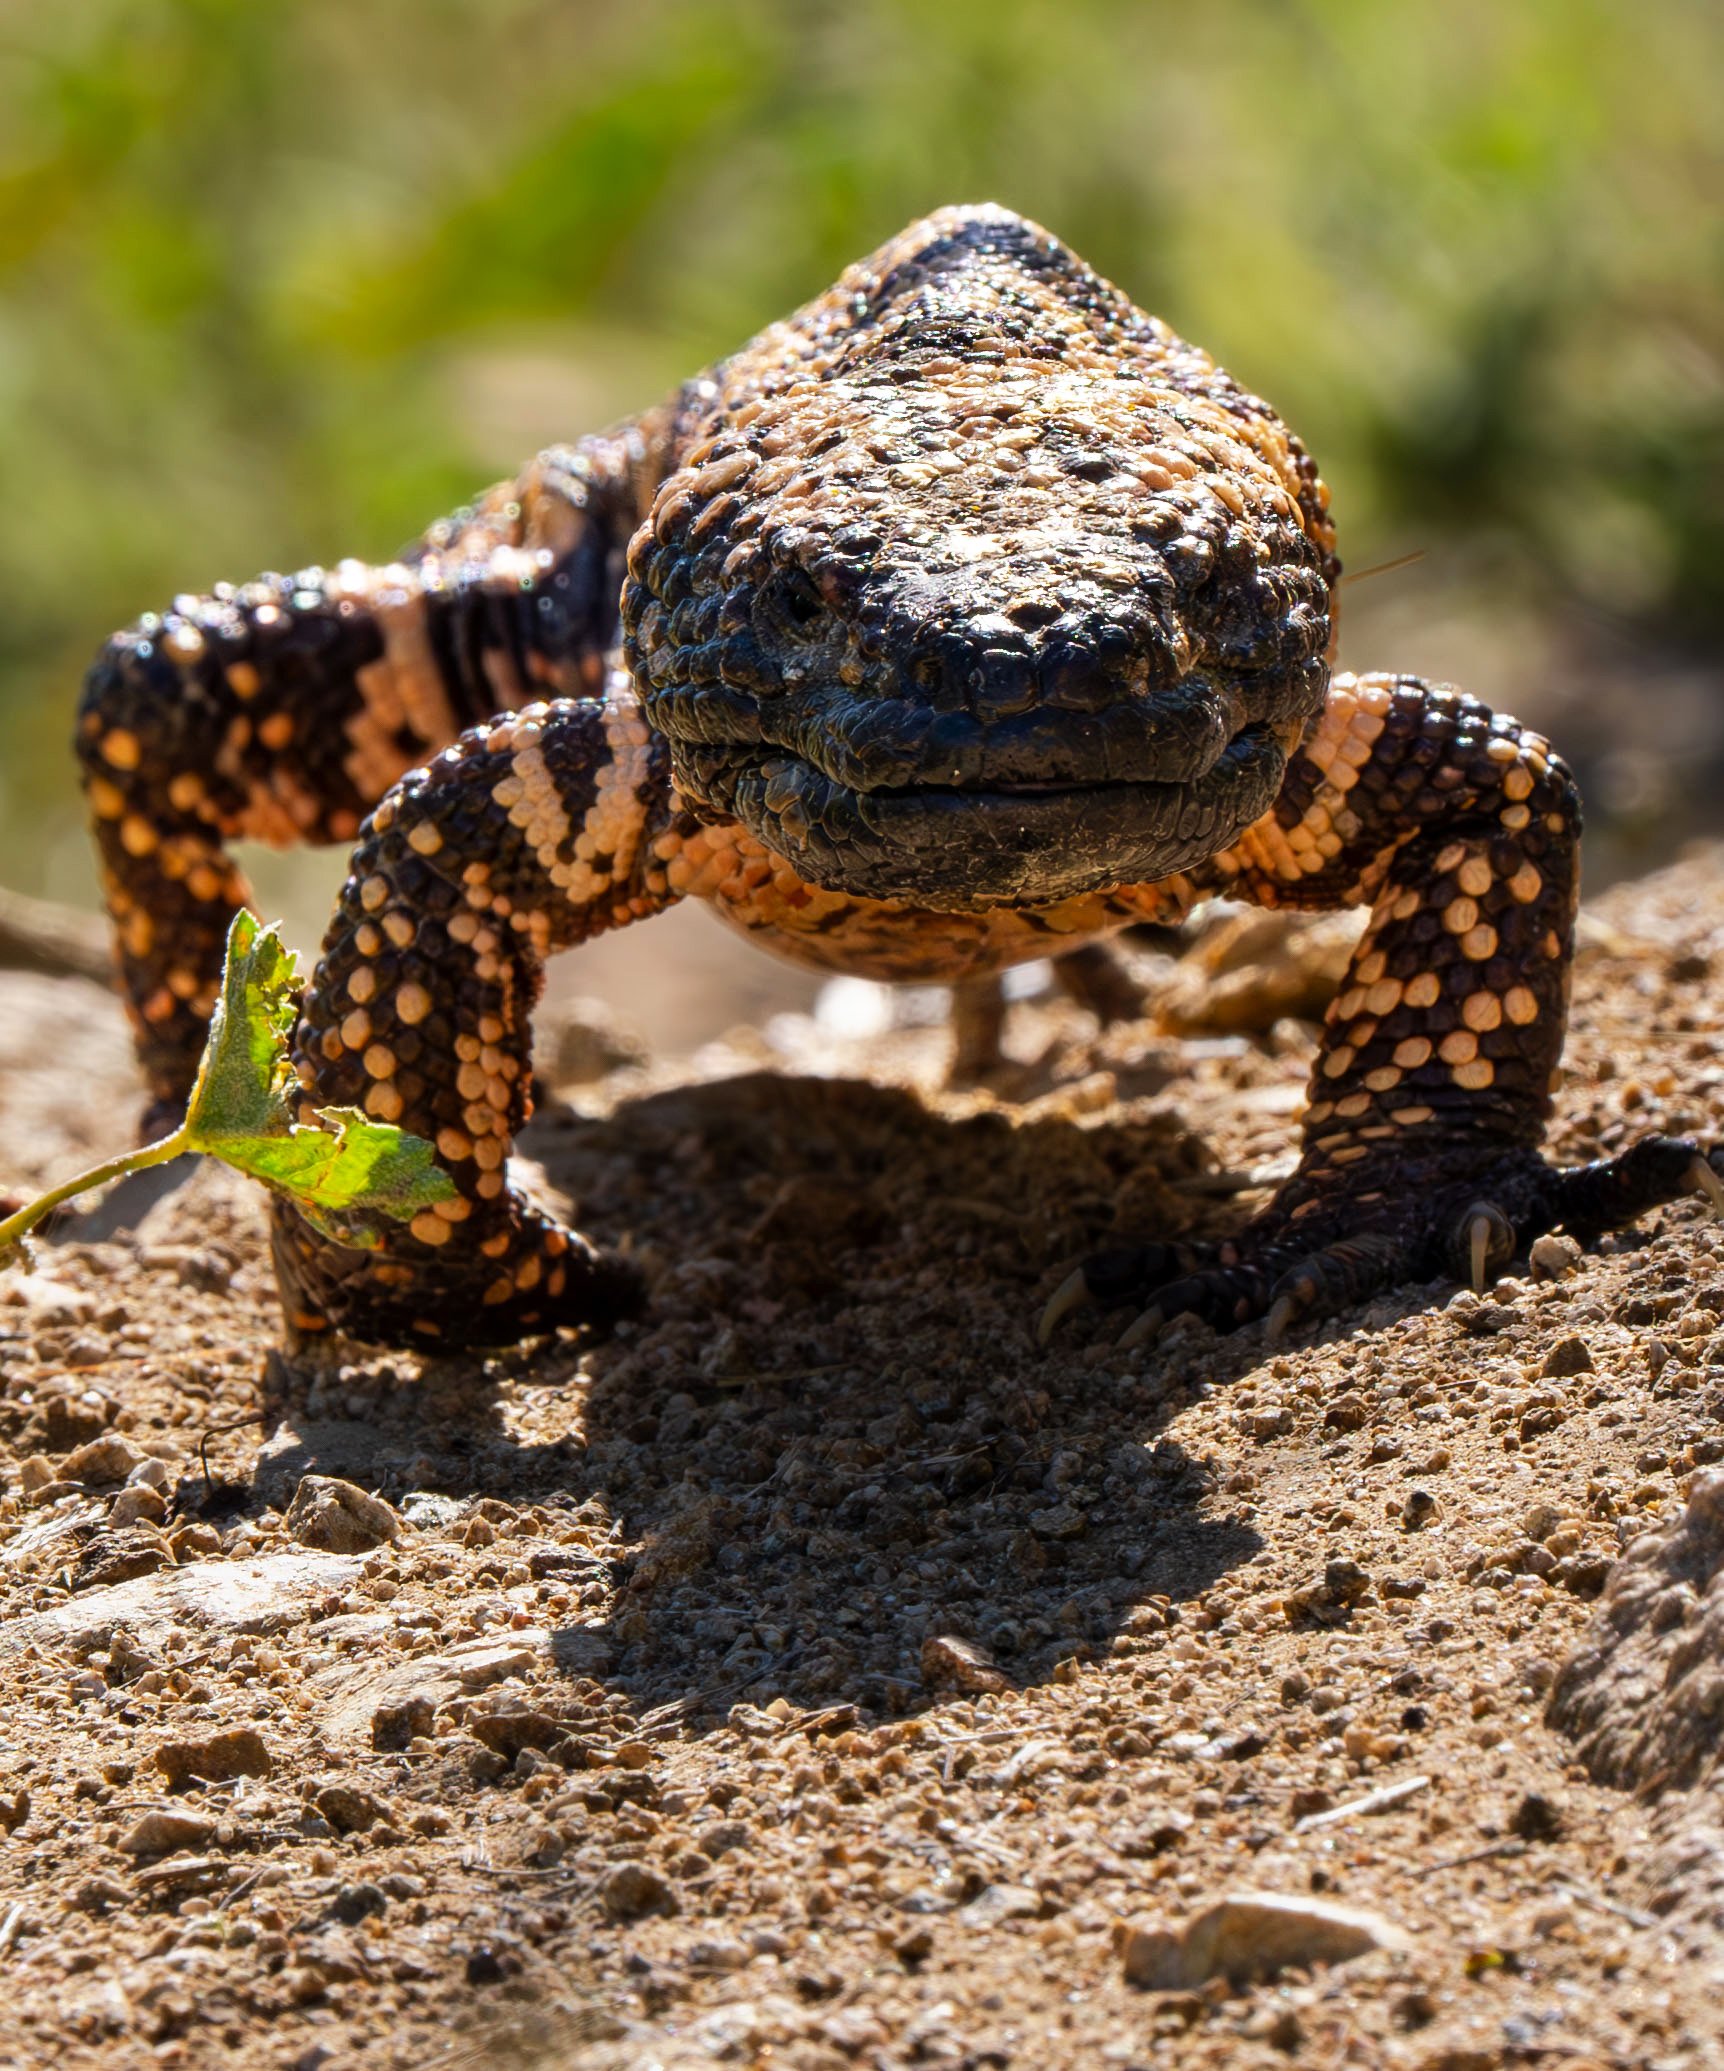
{"type": "Point", "coordinates": [965, 617]}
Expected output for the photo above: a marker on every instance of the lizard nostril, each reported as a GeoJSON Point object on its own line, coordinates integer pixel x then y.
{"type": "Point", "coordinates": [1003, 683]}
{"type": "Point", "coordinates": [1076, 679]}
{"type": "Point", "coordinates": [1033, 613]}
{"type": "Point", "coordinates": [791, 603]}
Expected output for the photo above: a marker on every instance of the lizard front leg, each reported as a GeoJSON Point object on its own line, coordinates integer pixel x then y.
{"type": "Point", "coordinates": [1431, 1089]}
{"type": "Point", "coordinates": [530, 834]}
{"type": "Point", "coordinates": [282, 710]}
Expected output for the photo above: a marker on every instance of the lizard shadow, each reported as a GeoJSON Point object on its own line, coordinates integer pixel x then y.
{"type": "Point", "coordinates": [831, 1435]}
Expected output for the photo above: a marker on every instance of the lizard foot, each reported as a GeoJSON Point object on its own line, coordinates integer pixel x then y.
{"type": "Point", "coordinates": [527, 1275]}
{"type": "Point", "coordinates": [1324, 1245]}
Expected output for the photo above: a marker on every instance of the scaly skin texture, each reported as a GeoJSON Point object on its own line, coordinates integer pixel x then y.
{"type": "Point", "coordinates": [965, 617]}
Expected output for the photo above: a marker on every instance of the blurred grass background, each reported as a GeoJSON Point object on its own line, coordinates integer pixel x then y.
{"type": "Point", "coordinates": [281, 282]}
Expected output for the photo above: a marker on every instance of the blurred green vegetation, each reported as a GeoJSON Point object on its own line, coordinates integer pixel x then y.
{"type": "Point", "coordinates": [283, 281]}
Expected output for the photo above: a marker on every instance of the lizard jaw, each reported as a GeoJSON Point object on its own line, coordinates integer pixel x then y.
{"type": "Point", "coordinates": [957, 849]}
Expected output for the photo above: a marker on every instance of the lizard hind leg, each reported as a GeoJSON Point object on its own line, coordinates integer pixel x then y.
{"type": "Point", "coordinates": [529, 835]}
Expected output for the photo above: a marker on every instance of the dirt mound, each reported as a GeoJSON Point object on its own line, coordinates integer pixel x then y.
{"type": "Point", "coordinates": [1644, 1697]}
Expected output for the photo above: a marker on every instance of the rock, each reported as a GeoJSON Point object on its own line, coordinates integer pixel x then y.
{"type": "Point", "coordinates": [113, 1557]}
{"type": "Point", "coordinates": [137, 1504]}
{"type": "Point", "coordinates": [365, 1705]}
{"type": "Point", "coordinates": [1034, 1758]}
{"type": "Point", "coordinates": [1535, 1818]}
{"type": "Point", "coordinates": [394, 1724]}
{"type": "Point", "coordinates": [1643, 1697]}
{"type": "Point", "coordinates": [508, 1732]}
{"type": "Point", "coordinates": [542, 1848]}
{"type": "Point", "coordinates": [53, 1304]}
{"type": "Point", "coordinates": [1331, 1598]}
{"type": "Point", "coordinates": [1552, 1257]}
{"type": "Point", "coordinates": [428, 1512]}
{"type": "Point", "coordinates": [1248, 1936]}
{"type": "Point", "coordinates": [1569, 1355]}
{"type": "Point", "coordinates": [484, 1764]}
{"type": "Point", "coordinates": [183, 1874]}
{"type": "Point", "coordinates": [718, 1952]}
{"type": "Point", "coordinates": [194, 1541]}
{"type": "Point", "coordinates": [339, 1517]}
{"type": "Point", "coordinates": [348, 1809]}
{"type": "Point", "coordinates": [258, 1596]}
{"type": "Point", "coordinates": [634, 1889]}
{"type": "Point", "coordinates": [106, 1459]}
{"type": "Point", "coordinates": [356, 1902]}
{"type": "Point", "coordinates": [949, 1663]}
{"type": "Point", "coordinates": [238, 1752]}
{"type": "Point", "coordinates": [1251, 970]}
{"type": "Point", "coordinates": [165, 1828]}
{"type": "Point", "coordinates": [997, 1902]}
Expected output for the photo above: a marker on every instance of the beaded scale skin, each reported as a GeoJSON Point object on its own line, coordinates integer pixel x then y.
{"type": "Point", "coordinates": [966, 616]}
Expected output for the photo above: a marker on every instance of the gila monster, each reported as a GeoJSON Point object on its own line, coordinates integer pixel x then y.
{"type": "Point", "coordinates": [966, 615]}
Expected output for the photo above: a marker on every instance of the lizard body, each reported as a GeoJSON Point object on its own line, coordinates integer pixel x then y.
{"type": "Point", "coordinates": [965, 616]}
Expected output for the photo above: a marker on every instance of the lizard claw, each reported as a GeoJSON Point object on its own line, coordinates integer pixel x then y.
{"type": "Point", "coordinates": [1488, 1239]}
{"type": "Point", "coordinates": [1144, 1331]}
{"type": "Point", "coordinates": [1705, 1181]}
{"type": "Point", "coordinates": [1073, 1292]}
{"type": "Point", "coordinates": [1293, 1268]}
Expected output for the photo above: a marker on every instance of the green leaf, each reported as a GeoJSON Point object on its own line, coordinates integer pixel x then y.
{"type": "Point", "coordinates": [343, 1174]}
{"type": "Point", "coordinates": [350, 1164]}
{"type": "Point", "coordinates": [242, 1077]}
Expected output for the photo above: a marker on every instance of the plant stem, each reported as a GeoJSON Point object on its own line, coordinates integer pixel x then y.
{"type": "Point", "coordinates": [16, 1226]}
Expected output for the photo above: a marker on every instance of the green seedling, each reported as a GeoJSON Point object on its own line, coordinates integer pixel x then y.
{"type": "Point", "coordinates": [347, 1174]}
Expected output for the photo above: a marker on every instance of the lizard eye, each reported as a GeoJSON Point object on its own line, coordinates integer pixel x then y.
{"type": "Point", "coordinates": [792, 603]}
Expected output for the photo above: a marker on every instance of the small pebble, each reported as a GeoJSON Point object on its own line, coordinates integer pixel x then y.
{"type": "Point", "coordinates": [348, 1809]}
{"type": "Point", "coordinates": [339, 1517]}
{"type": "Point", "coordinates": [104, 1459]}
{"type": "Point", "coordinates": [137, 1504]}
{"type": "Point", "coordinates": [633, 1889]}
{"type": "Point", "coordinates": [1569, 1355]}
{"type": "Point", "coordinates": [1535, 1818]}
{"type": "Point", "coordinates": [1553, 1257]}
{"type": "Point", "coordinates": [158, 1831]}
{"type": "Point", "coordinates": [238, 1752]}
{"type": "Point", "coordinates": [1248, 1936]}
{"type": "Point", "coordinates": [957, 1664]}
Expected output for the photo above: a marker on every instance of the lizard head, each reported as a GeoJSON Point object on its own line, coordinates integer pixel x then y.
{"type": "Point", "coordinates": [979, 587]}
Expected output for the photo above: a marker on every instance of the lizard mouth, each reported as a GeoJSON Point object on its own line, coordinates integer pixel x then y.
{"type": "Point", "coordinates": [1016, 842]}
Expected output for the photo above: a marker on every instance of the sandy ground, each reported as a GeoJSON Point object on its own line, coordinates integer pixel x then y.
{"type": "Point", "coordinates": [818, 1674]}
